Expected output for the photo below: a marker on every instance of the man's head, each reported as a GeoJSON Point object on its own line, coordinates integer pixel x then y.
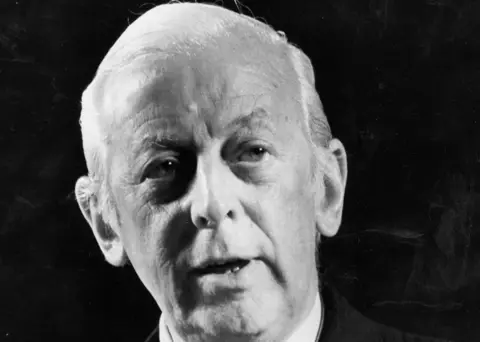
{"type": "Point", "coordinates": [206, 144]}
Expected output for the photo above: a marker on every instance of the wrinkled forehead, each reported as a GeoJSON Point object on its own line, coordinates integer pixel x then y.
{"type": "Point", "coordinates": [231, 73]}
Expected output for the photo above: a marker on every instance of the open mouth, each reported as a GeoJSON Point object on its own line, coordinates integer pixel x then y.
{"type": "Point", "coordinates": [231, 266]}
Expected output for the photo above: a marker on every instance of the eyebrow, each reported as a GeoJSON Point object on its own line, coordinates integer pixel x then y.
{"type": "Point", "coordinates": [258, 118]}
{"type": "Point", "coordinates": [162, 140]}
{"type": "Point", "coordinates": [176, 137]}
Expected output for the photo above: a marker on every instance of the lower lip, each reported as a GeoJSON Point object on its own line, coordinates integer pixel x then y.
{"type": "Point", "coordinates": [239, 279]}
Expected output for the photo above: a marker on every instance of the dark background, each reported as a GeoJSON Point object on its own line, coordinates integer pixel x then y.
{"type": "Point", "coordinates": [400, 83]}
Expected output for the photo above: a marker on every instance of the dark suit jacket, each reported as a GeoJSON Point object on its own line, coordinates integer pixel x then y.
{"type": "Point", "coordinates": [343, 323]}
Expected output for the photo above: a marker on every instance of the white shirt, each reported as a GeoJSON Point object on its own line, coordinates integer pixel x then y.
{"type": "Point", "coordinates": [307, 331]}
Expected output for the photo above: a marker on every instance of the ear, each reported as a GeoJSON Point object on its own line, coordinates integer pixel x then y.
{"type": "Point", "coordinates": [108, 240]}
{"type": "Point", "coordinates": [330, 194]}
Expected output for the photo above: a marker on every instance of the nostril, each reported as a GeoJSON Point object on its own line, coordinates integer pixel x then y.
{"type": "Point", "coordinates": [202, 221]}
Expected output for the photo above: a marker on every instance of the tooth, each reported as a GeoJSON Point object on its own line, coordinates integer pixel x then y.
{"type": "Point", "coordinates": [236, 269]}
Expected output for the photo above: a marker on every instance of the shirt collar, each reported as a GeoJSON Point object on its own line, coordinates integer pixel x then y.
{"type": "Point", "coordinates": [309, 329]}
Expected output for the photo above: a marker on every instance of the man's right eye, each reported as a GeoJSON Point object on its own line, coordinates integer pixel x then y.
{"type": "Point", "coordinates": [163, 170]}
{"type": "Point", "coordinates": [168, 176]}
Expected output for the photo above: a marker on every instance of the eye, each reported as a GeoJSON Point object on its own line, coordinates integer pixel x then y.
{"type": "Point", "coordinates": [164, 170]}
{"type": "Point", "coordinates": [168, 176]}
{"type": "Point", "coordinates": [253, 154]}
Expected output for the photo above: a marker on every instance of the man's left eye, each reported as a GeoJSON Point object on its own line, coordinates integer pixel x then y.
{"type": "Point", "coordinates": [253, 154]}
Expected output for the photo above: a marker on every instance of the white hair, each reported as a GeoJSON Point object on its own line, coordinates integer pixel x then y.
{"type": "Point", "coordinates": [201, 24]}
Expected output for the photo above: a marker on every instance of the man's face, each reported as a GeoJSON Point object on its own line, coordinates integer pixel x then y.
{"type": "Point", "coordinates": [210, 165]}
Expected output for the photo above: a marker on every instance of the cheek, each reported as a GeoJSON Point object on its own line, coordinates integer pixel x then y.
{"type": "Point", "coordinates": [146, 244]}
{"type": "Point", "coordinates": [298, 231]}
{"type": "Point", "coordinates": [134, 212]}
{"type": "Point", "coordinates": [291, 233]}
{"type": "Point", "coordinates": [158, 233]}
{"type": "Point", "coordinates": [291, 217]}
{"type": "Point", "coordinates": [136, 231]}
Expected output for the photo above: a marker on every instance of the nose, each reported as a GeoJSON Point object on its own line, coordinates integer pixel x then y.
{"type": "Point", "coordinates": [214, 198]}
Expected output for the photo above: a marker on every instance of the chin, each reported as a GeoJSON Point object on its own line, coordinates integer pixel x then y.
{"type": "Point", "coordinates": [246, 318]}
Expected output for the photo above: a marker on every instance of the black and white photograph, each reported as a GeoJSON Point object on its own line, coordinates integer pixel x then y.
{"type": "Point", "coordinates": [240, 171]}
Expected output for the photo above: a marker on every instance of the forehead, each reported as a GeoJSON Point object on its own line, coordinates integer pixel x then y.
{"type": "Point", "coordinates": [200, 87]}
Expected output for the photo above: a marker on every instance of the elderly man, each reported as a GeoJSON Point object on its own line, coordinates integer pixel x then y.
{"type": "Point", "coordinates": [213, 171]}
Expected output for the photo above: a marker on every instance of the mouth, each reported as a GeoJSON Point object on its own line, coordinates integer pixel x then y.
{"type": "Point", "coordinates": [221, 267]}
